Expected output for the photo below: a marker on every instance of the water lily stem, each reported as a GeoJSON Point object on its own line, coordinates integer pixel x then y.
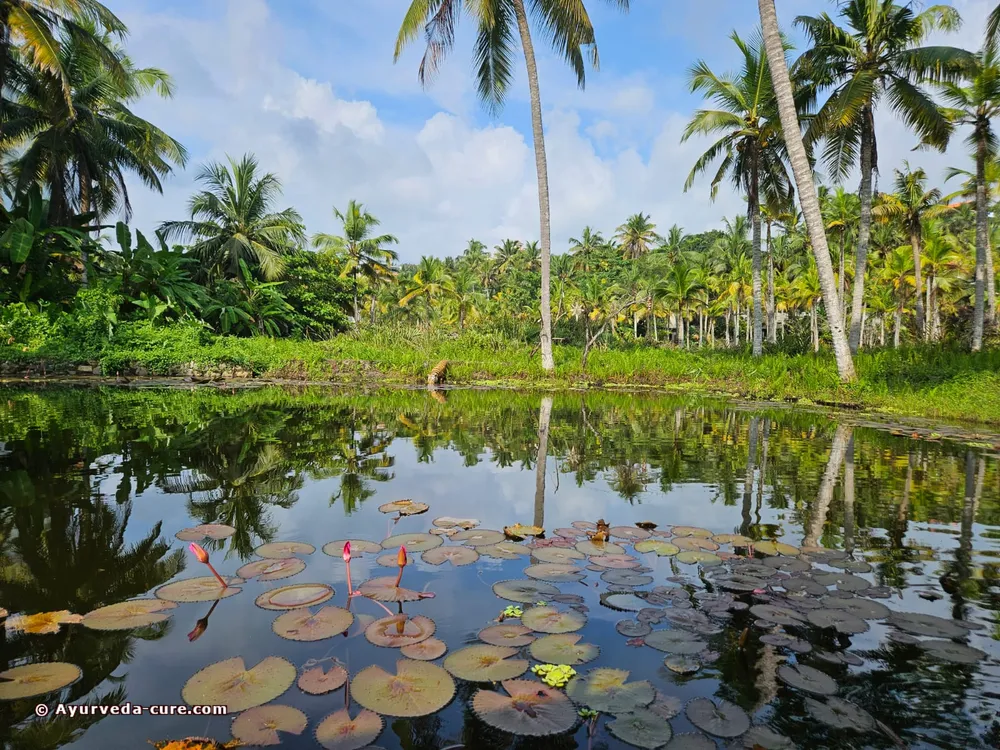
{"type": "Point", "coordinates": [219, 578]}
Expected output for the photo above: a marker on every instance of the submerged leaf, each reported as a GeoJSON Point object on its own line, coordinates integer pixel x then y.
{"type": "Point", "coordinates": [295, 597]}
{"type": "Point", "coordinates": [42, 622]}
{"type": "Point", "coordinates": [506, 635]}
{"type": "Point", "coordinates": [529, 708]}
{"type": "Point", "coordinates": [303, 625]}
{"type": "Point", "coordinates": [201, 589]}
{"type": "Point", "coordinates": [214, 531]}
{"type": "Point", "coordinates": [280, 550]}
{"type": "Point", "coordinates": [272, 570]}
{"type": "Point", "coordinates": [33, 680]}
{"type": "Point", "coordinates": [135, 613]}
{"type": "Point", "coordinates": [551, 620]}
{"type": "Point", "coordinates": [260, 726]}
{"type": "Point", "coordinates": [563, 648]}
{"type": "Point", "coordinates": [641, 728]}
{"type": "Point", "coordinates": [229, 683]}
{"type": "Point", "coordinates": [418, 688]}
{"type": "Point", "coordinates": [719, 718]}
{"type": "Point", "coordinates": [315, 681]}
{"type": "Point", "coordinates": [485, 663]}
{"type": "Point", "coordinates": [339, 731]}
{"type": "Point", "coordinates": [395, 631]}
{"type": "Point", "coordinates": [608, 691]}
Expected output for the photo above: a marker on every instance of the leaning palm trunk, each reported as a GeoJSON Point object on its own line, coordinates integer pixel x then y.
{"type": "Point", "coordinates": [864, 227]}
{"type": "Point", "coordinates": [838, 451]}
{"type": "Point", "coordinates": [807, 190]}
{"type": "Point", "coordinates": [981, 244]}
{"type": "Point", "coordinates": [541, 167]}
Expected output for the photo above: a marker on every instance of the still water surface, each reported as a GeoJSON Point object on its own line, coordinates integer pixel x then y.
{"type": "Point", "coordinates": [94, 485]}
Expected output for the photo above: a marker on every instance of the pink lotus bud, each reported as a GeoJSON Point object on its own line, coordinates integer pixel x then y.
{"type": "Point", "coordinates": [199, 552]}
{"type": "Point", "coordinates": [401, 557]}
{"type": "Point", "coordinates": [347, 551]}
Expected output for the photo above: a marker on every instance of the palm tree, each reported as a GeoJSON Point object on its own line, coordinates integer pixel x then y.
{"type": "Point", "coordinates": [364, 255]}
{"type": "Point", "coordinates": [774, 211]}
{"type": "Point", "coordinates": [941, 257]}
{"type": "Point", "coordinates": [636, 236]}
{"type": "Point", "coordinates": [808, 197]}
{"type": "Point", "coordinates": [431, 282]}
{"type": "Point", "coordinates": [897, 272]}
{"type": "Point", "coordinates": [841, 210]}
{"type": "Point", "coordinates": [232, 221]}
{"type": "Point", "coordinates": [567, 26]}
{"type": "Point", "coordinates": [751, 148]}
{"type": "Point", "coordinates": [912, 203]}
{"type": "Point", "coordinates": [679, 290]}
{"type": "Point", "coordinates": [672, 244]}
{"type": "Point", "coordinates": [877, 56]}
{"type": "Point", "coordinates": [976, 104]}
{"type": "Point", "coordinates": [465, 298]}
{"type": "Point", "coordinates": [582, 250]}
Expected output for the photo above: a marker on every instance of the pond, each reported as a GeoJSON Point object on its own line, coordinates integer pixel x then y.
{"type": "Point", "coordinates": [717, 576]}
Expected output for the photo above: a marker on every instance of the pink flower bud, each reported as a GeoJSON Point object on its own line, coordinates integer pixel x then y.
{"type": "Point", "coordinates": [347, 551]}
{"type": "Point", "coordinates": [199, 552]}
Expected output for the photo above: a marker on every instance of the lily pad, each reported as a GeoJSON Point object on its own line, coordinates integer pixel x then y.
{"type": "Point", "coordinates": [303, 625]}
{"type": "Point", "coordinates": [800, 584]}
{"type": "Point", "coordinates": [682, 664]}
{"type": "Point", "coordinates": [272, 570]}
{"type": "Point", "coordinates": [633, 628]}
{"type": "Point", "coordinates": [608, 691]}
{"type": "Point", "coordinates": [551, 620]}
{"type": "Point", "coordinates": [215, 531]}
{"type": "Point", "coordinates": [315, 681]}
{"type": "Point", "coordinates": [841, 621]}
{"type": "Point", "coordinates": [358, 547]}
{"type": "Point", "coordinates": [594, 549]}
{"type": "Point", "coordinates": [764, 737]}
{"type": "Point", "coordinates": [395, 631]}
{"type": "Point", "coordinates": [417, 542]}
{"type": "Point", "coordinates": [776, 548]}
{"type": "Point", "coordinates": [661, 548]}
{"type": "Point", "coordinates": [809, 679]}
{"type": "Point", "coordinates": [479, 537]}
{"type": "Point", "coordinates": [617, 562]}
{"type": "Point", "coordinates": [386, 590]}
{"type": "Point", "coordinates": [134, 613]}
{"type": "Point", "coordinates": [201, 589]}
{"type": "Point", "coordinates": [953, 652]}
{"type": "Point", "coordinates": [505, 550]}
{"type": "Point", "coordinates": [866, 609]}
{"type": "Point", "coordinates": [557, 555]}
{"type": "Point", "coordinates": [783, 640]}
{"type": "Point", "coordinates": [632, 533]}
{"type": "Point", "coordinates": [840, 714]}
{"type": "Point", "coordinates": [690, 741]}
{"type": "Point", "coordinates": [427, 650]}
{"type": "Point", "coordinates": [737, 540]}
{"type": "Point", "coordinates": [339, 731]}
{"type": "Point", "coordinates": [530, 708]}
{"type": "Point", "coordinates": [623, 601]}
{"type": "Point", "coordinates": [691, 531]}
{"type": "Point", "coordinates": [778, 615]}
{"type": "Point", "coordinates": [916, 623]}
{"type": "Point", "coordinates": [229, 683]}
{"type": "Point", "coordinates": [457, 556]}
{"type": "Point", "coordinates": [448, 522]}
{"type": "Point", "coordinates": [718, 718]}
{"type": "Point", "coordinates": [641, 728]}
{"type": "Point", "coordinates": [665, 706]}
{"type": "Point", "coordinates": [404, 508]}
{"type": "Point", "coordinates": [584, 525]}
{"type": "Point", "coordinates": [42, 622]}
{"type": "Point", "coordinates": [388, 560]}
{"type": "Point", "coordinates": [418, 688]}
{"type": "Point", "coordinates": [520, 531]}
{"type": "Point", "coordinates": [506, 635]}
{"type": "Point", "coordinates": [625, 578]}
{"type": "Point", "coordinates": [524, 591]}
{"type": "Point", "coordinates": [698, 557]}
{"type": "Point", "coordinates": [676, 642]}
{"type": "Point", "coordinates": [555, 572]}
{"type": "Point", "coordinates": [259, 726]}
{"type": "Point", "coordinates": [694, 543]}
{"type": "Point", "coordinates": [281, 550]}
{"type": "Point", "coordinates": [485, 663]}
{"type": "Point", "coordinates": [563, 648]}
{"type": "Point", "coordinates": [33, 680]}
{"type": "Point", "coordinates": [295, 596]}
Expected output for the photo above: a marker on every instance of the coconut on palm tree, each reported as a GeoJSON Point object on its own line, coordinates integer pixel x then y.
{"type": "Point", "coordinates": [233, 220]}
{"type": "Point", "coordinates": [875, 57]}
{"type": "Point", "coordinates": [566, 25]}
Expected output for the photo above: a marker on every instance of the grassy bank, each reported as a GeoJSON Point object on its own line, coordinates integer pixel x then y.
{"type": "Point", "coordinates": [927, 381]}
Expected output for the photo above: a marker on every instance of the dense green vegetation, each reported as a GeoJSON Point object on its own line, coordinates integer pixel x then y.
{"type": "Point", "coordinates": [240, 282]}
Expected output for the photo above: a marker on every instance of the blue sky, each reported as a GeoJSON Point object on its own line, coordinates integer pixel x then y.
{"type": "Point", "coordinates": [310, 87]}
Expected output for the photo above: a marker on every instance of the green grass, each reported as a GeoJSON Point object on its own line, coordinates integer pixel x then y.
{"type": "Point", "coordinates": [935, 382]}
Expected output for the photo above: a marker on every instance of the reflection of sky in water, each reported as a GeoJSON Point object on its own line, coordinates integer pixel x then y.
{"type": "Point", "coordinates": [464, 601]}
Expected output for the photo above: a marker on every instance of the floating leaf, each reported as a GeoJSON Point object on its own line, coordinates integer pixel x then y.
{"type": "Point", "coordinates": [608, 691]}
{"type": "Point", "coordinates": [690, 741]}
{"type": "Point", "coordinates": [504, 550]}
{"type": "Point", "coordinates": [303, 625]}
{"type": "Point", "coordinates": [625, 578]}
{"type": "Point", "coordinates": [135, 613]}
{"type": "Point", "coordinates": [783, 640]}
{"type": "Point", "coordinates": [404, 508]}
{"type": "Point", "coordinates": [778, 615]}
{"type": "Point", "coordinates": [682, 664]}
{"type": "Point", "coordinates": [395, 631]}
{"type": "Point", "coordinates": [737, 540]}
{"type": "Point", "coordinates": [557, 555]}
{"type": "Point", "coordinates": [840, 714]}
{"type": "Point", "coordinates": [617, 562]}
{"type": "Point", "coordinates": [665, 706]}
{"type": "Point", "coordinates": [485, 663]}
{"type": "Point", "coordinates": [388, 560]}
{"type": "Point", "coordinates": [295, 596]}
{"type": "Point", "coordinates": [563, 648]}
{"type": "Point", "coordinates": [764, 737]}
{"type": "Point", "coordinates": [554, 572]}
{"type": "Point", "coordinates": [776, 548]}
{"type": "Point", "coordinates": [280, 550]}
{"type": "Point", "coordinates": [447, 522]}
{"type": "Point", "coordinates": [807, 678]}
{"type": "Point", "coordinates": [529, 708]}
{"type": "Point", "coordinates": [584, 525]}
{"type": "Point", "coordinates": [698, 557]}
{"type": "Point", "coordinates": [260, 726]}
{"type": "Point", "coordinates": [427, 650]}
{"type": "Point", "coordinates": [33, 680]}
{"type": "Point", "coordinates": [418, 688]}
{"type": "Point", "coordinates": [694, 543]}
{"type": "Point", "coordinates": [272, 570]}
{"type": "Point", "coordinates": [570, 533]}
{"type": "Point", "coordinates": [916, 623]}
{"type": "Point", "coordinates": [442, 532]}
{"type": "Point", "coordinates": [798, 584]}
{"type": "Point", "coordinates": [841, 621]}
{"type": "Point", "coordinates": [315, 681]}
{"type": "Point", "coordinates": [417, 542]}
{"type": "Point", "coordinates": [641, 728]}
{"type": "Point", "coordinates": [339, 731]}
{"type": "Point", "coordinates": [42, 623]}
{"type": "Point", "coordinates": [214, 531]}
{"type": "Point", "coordinates": [866, 609]}
{"type": "Point", "coordinates": [524, 591]}
{"type": "Point", "coordinates": [551, 620]}
{"type": "Point", "coordinates": [676, 642]}
{"type": "Point", "coordinates": [519, 531]}
{"type": "Point", "coordinates": [594, 549]}
{"type": "Point", "coordinates": [717, 717]}
{"type": "Point", "coordinates": [457, 556]}
{"type": "Point", "coordinates": [661, 548]}
{"type": "Point", "coordinates": [632, 533]}
{"type": "Point", "coordinates": [507, 635]}
{"type": "Point", "coordinates": [478, 537]}
{"type": "Point", "coordinates": [953, 652]}
{"type": "Point", "coordinates": [386, 590]}
{"type": "Point", "coordinates": [229, 683]}
{"type": "Point", "coordinates": [633, 628]}
{"type": "Point", "coordinates": [691, 531]}
{"type": "Point", "coordinates": [201, 589]}
{"type": "Point", "coordinates": [623, 601]}
{"type": "Point", "coordinates": [358, 547]}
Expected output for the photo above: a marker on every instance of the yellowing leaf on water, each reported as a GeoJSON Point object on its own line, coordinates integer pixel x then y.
{"type": "Point", "coordinates": [519, 531]}
{"type": "Point", "coordinates": [42, 622]}
{"type": "Point", "coordinates": [260, 726]}
{"type": "Point", "coordinates": [229, 683]}
{"type": "Point", "coordinates": [135, 613]}
{"type": "Point", "coordinates": [418, 688]}
{"type": "Point", "coordinates": [200, 589]}
{"type": "Point", "coordinates": [33, 680]}
{"type": "Point", "coordinates": [485, 663]}
{"type": "Point", "coordinates": [195, 743]}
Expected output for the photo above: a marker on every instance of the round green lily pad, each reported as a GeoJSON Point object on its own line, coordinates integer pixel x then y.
{"type": "Point", "coordinates": [417, 542]}
{"type": "Point", "coordinates": [608, 691]}
{"type": "Point", "coordinates": [641, 728]}
{"type": "Point", "coordinates": [661, 548]}
{"type": "Point", "coordinates": [717, 717]}
{"type": "Point", "coordinates": [524, 591]}
{"type": "Point", "coordinates": [563, 648]}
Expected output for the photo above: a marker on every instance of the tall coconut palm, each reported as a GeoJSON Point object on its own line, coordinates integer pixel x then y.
{"type": "Point", "coordinates": [568, 28]}
{"type": "Point", "coordinates": [875, 57]}
{"type": "Point", "coordinates": [636, 236]}
{"type": "Point", "coordinates": [365, 255]}
{"type": "Point", "coordinates": [679, 291]}
{"type": "Point", "coordinates": [773, 211]}
{"type": "Point", "coordinates": [751, 149]}
{"type": "Point", "coordinates": [583, 250]}
{"type": "Point", "coordinates": [912, 203]}
{"type": "Point", "coordinates": [840, 212]}
{"type": "Point", "coordinates": [431, 283]}
{"type": "Point", "coordinates": [976, 104]}
{"type": "Point", "coordinates": [897, 272]}
{"type": "Point", "coordinates": [232, 221]}
{"type": "Point", "coordinates": [808, 197]}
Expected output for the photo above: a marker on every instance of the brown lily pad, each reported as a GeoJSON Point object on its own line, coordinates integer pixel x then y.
{"type": "Point", "coordinates": [304, 625]}
{"type": "Point", "coordinates": [339, 731]}
{"type": "Point", "coordinates": [33, 680]}
{"type": "Point", "coordinates": [295, 596]}
{"type": "Point", "coordinates": [427, 650]}
{"type": "Point", "coordinates": [134, 613]}
{"type": "Point", "coordinates": [417, 542]}
{"type": "Point", "coordinates": [457, 556]}
{"type": "Point", "coordinates": [259, 726]}
{"type": "Point", "coordinates": [530, 708]}
{"type": "Point", "coordinates": [386, 590]}
{"type": "Point", "coordinates": [485, 663]}
{"type": "Point", "coordinates": [229, 683]}
{"type": "Point", "coordinates": [200, 589]}
{"type": "Point", "coordinates": [548, 619]}
{"type": "Point", "coordinates": [272, 570]}
{"type": "Point", "coordinates": [418, 688]}
{"type": "Point", "coordinates": [359, 547]}
{"type": "Point", "coordinates": [506, 635]}
{"type": "Point", "coordinates": [315, 681]}
{"type": "Point", "coordinates": [281, 550]}
{"type": "Point", "coordinates": [395, 631]}
{"type": "Point", "coordinates": [214, 531]}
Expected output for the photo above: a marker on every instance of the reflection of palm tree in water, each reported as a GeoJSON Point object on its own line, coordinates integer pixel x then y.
{"type": "Point", "coordinates": [957, 579]}
{"type": "Point", "coordinates": [824, 498]}
{"type": "Point", "coordinates": [358, 460]}
{"type": "Point", "coordinates": [748, 477]}
{"type": "Point", "coordinates": [544, 417]}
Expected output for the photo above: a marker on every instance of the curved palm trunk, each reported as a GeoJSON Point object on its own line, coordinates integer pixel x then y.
{"type": "Point", "coordinates": [541, 167]}
{"type": "Point", "coordinates": [544, 416]}
{"type": "Point", "coordinates": [864, 227]}
{"type": "Point", "coordinates": [838, 452]}
{"type": "Point", "coordinates": [918, 285]}
{"type": "Point", "coordinates": [807, 190]}
{"type": "Point", "coordinates": [982, 247]}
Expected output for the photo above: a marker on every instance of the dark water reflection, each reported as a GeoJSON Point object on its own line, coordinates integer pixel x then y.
{"type": "Point", "coordinates": [93, 487]}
